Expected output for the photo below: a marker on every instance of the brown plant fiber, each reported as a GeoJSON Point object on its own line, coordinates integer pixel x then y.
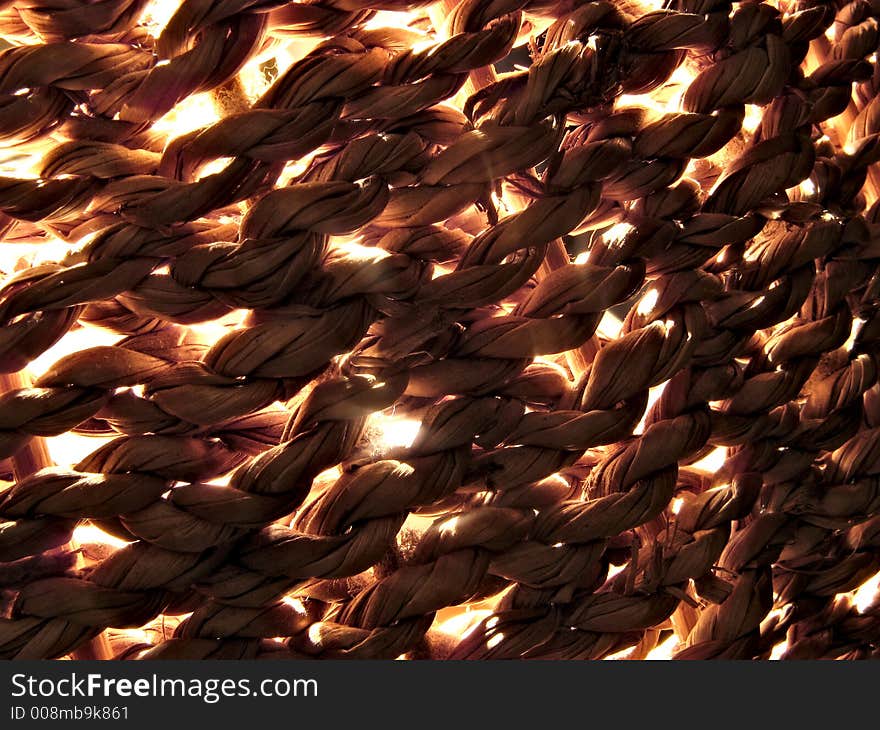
{"type": "Point", "coordinates": [465, 329]}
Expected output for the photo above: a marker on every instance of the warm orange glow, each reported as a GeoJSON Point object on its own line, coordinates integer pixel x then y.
{"type": "Point", "coordinates": [353, 249]}
{"type": "Point", "coordinates": [779, 649]}
{"type": "Point", "coordinates": [88, 533]}
{"type": "Point", "coordinates": [664, 650]}
{"type": "Point", "coordinates": [666, 99]}
{"type": "Point", "coordinates": [463, 623]}
{"type": "Point", "coordinates": [653, 396]}
{"type": "Point", "coordinates": [753, 117]}
{"type": "Point", "coordinates": [610, 326]}
{"type": "Point", "coordinates": [712, 462]}
{"type": "Point", "coordinates": [18, 256]}
{"type": "Point", "coordinates": [213, 167]}
{"type": "Point", "coordinates": [210, 332]}
{"type": "Point", "coordinates": [258, 74]}
{"type": "Point", "coordinates": [508, 203]}
{"type": "Point", "coordinates": [387, 432]}
{"type": "Point", "coordinates": [495, 640]}
{"type": "Point", "coordinates": [295, 603]}
{"type": "Point", "coordinates": [863, 597]}
{"type": "Point", "coordinates": [192, 113]}
{"type": "Point", "coordinates": [69, 448]}
{"type": "Point", "coordinates": [647, 302]}
{"type": "Point", "coordinates": [328, 476]}
{"type": "Point", "coordinates": [22, 163]}
{"type": "Point", "coordinates": [156, 15]}
{"type": "Point", "coordinates": [79, 338]}
{"type": "Point", "coordinates": [293, 169]}
{"type": "Point", "coordinates": [857, 325]}
{"type": "Point", "coordinates": [222, 481]}
{"type": "Point", "coordinates": [615, 235]}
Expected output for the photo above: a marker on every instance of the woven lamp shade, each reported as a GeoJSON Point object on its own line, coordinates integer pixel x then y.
{"type": "Point", "coordinates": [479, 329]}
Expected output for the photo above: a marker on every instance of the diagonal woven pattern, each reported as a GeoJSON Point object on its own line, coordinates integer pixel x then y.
{"type": "Point", "coordinates": [440, 329]}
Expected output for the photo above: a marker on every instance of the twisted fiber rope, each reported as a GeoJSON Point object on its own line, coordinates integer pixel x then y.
{"type": "Point", "coordinates": [538, 457]}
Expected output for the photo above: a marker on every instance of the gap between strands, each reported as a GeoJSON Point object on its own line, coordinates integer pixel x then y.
{"type": "Point", "coordinates": [557, 255]}
{"type": "Point", "coordinates": [30, 459]}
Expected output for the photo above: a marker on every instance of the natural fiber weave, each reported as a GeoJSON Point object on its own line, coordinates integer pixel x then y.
{"type": "Point", "coordinates": [392, 212]}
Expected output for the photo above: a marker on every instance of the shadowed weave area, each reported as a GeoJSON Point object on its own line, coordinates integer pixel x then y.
{"type": "Point", "coordinates": [478, 329]}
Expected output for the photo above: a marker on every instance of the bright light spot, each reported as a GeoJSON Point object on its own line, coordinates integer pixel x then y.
{"type": "Point", "coordinates": [610, 326]}
{"type": "Point", "coordinates": [156, 15]}
{"type": "Point", "coordinates": [463, 623]}
{"type": "Point", "coordinates": [295, 168]}
{"type": "Point", "coordinates": [808, 187]}
{"type": "Point", "coordinates": [857, 325]}
{"type": "Point", "coordinates": [139, 635]}
{"type": "Point", "coordinates": [510, 201]}
{"type": "Point", "coordinates": [315, 634]}
{"type": "Point", "coordinates": [753, 117]}
{"type": "Point", "coordinates": [676, 505]}
{"type": "Point", "coordinates": [582, 258]}
{"type": "Point", "coordinates": [355, 250]}
{"type": "Point", "coordinates": [712, 462]}
{"type": "Point", "coordinates": [850, 148]}
{"type": "Point", "coordinates": [863, 596]}
{"type": "Point", "coordinates": [212, 331]}
{"type": "Point", "coordinates": [664, 650]}
{"type": "Point", "coordinates": [448, 527]}
{"type": "Point", "coordinates": [256, 76]}
{"type": "Point", "coordinates": [616, 235]}
{"type": "Point", "coordinates": [653, 396]}
{"type": "Point", "coordinates": [192, 113]}
{"type": "Point", "coordinates": [684, 74]}
{"type": "Point", "coordinates": [616, 569]}
{"type": "Point", "coordinates": [222, 481]}
{"type": "Point", "coordinates": [213, 167]}
{"type": "Point", "coordinates": [22, 165]}
{"type": "Point", "coordinates": [779, 649]}
{"type": "Point", "coordinates": [17, 256]}
{"type": "Point", "coordinates": [666, 99]}
{"type": "Point", "coordinates": [499, 202]}
{"type": "Point", "coordinates": [666, 325]}
{"type": "Point", "coordinates": [85, 534]}
{"type": "Point", "coordinates": [70, 448]}
{"type": "Point", "coordinates": [75, 340]}
{"type": "Point", "coordinates": [393, 431]}
{"type": "Point", "coordinates": [328, 476]}
{"type": "Point", "coordinates": [622, 654]}
{"type": "Point", "coordinates": [494, 641]}
{"type": "Point", "coordinates": [387, 19]}
{"type": "Point", "coordinates": [296, 604]}
{"type": "Point", "coordinates": [647, 302]}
